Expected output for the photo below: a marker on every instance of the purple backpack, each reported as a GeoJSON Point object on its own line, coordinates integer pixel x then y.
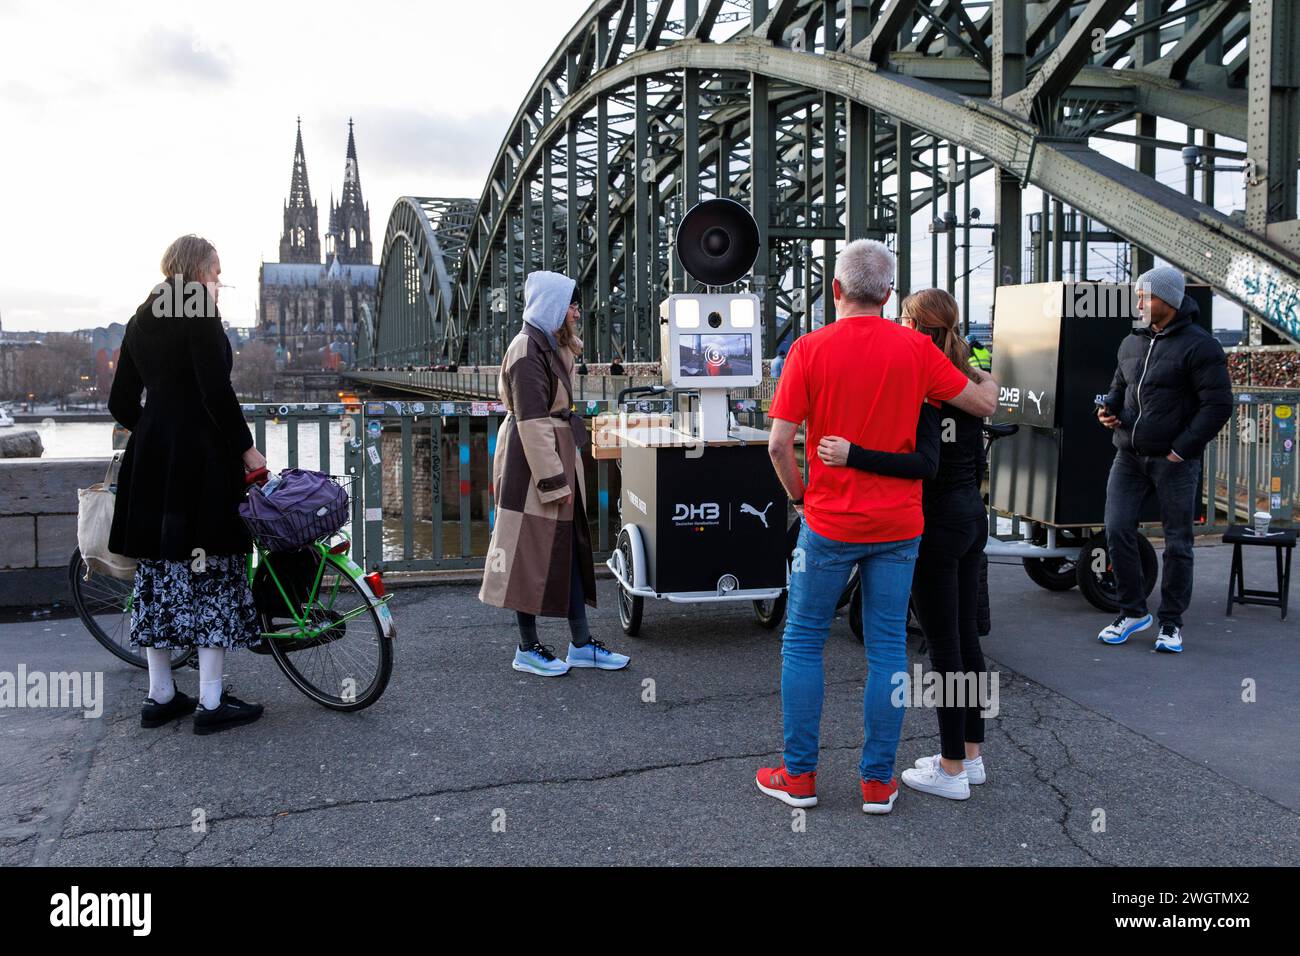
{"type": "Point", "coordinates": [294, 509]}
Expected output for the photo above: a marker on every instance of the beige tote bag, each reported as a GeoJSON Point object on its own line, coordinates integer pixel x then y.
{"type": "Point", "coordinates": [94, 518]}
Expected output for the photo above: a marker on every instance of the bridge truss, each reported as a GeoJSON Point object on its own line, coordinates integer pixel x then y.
{"type": "Point", "coordinates": [813, 112]}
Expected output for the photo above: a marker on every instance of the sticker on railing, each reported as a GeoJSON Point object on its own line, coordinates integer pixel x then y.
{"type": "Point", "coordinates": [374, 408]}
{"type": "Point", "coordinates": [478, 409]}
{"type": "Point", "coordinates": [374, 514]}
{"type": "Point", "coordinates": [449, 408]}
{"type": "Point", "coordinates": [373, 451]}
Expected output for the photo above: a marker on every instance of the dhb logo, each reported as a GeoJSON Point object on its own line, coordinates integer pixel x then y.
{"type": "Point", "coordinates": [708, 511]}
{"type": "Point", "coordinates": [1009, 395]}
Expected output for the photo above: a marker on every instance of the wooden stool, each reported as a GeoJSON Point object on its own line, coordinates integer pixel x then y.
{"type": "Point", "coordinates": [1281, 540]}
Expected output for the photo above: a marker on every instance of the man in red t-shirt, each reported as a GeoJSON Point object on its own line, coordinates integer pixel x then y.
{"type": "Point", "coordinates": [862, 378]}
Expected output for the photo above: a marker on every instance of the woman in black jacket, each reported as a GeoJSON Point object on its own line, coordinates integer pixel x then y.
{"type": "Point", "coordinates": [179, 488]}
{"type": "Point", "coordinates": [949, 456]}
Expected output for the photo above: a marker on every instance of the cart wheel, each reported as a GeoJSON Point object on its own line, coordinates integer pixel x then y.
{"type": "Point", "coordinates": [771, 613]}
{"type": "Point", "coordinates": [855, 610]}
{"type": "Point", "coordinates": [629, 605]}
{"type": "Point", "coordinates": [1098, 586]}
{"type": "Point", "coordinates": [1054, 574]}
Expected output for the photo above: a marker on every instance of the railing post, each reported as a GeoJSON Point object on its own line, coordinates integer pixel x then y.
{"type": "Point", "coordinates": [373, 470]}
{"type": "Point", "coordinates": [435, 485]}
{"type": "Point", "coordinates": [408, 494]}
{"type": "Point", "coordinates": [1282, 469]}
{"type": "Point", "coordinates": [352, 467]}
{"type": "Point", "coordinates": [462, 452]}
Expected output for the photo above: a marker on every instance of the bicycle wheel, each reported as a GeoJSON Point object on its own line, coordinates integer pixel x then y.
{"type": "Point", "coordinates": [346, 664]}
{"type": "Point", "coordinates": [104, 604]}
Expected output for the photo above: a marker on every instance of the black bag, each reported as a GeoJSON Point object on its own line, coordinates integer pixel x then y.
{"type": "Point", "coordinates": [296, 572]}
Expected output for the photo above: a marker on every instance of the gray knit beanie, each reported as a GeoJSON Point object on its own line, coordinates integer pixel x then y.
{"type": "Point", "coordinates": [1164, 282]}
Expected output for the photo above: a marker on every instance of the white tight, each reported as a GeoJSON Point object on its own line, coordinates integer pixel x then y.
{"type": "Point", "coordinates": [211, 664]}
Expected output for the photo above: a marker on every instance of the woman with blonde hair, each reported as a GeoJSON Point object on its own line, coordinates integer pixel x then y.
{"type": "Point", "coordinates": [949, 457]}
{"type": "Point", "coordinates": [539, 559]}
{"type": "Point", "coordinates": [179, 488]}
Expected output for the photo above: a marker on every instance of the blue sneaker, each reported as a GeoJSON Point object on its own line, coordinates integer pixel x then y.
{"type": "Point", "coordinates": [539, 660]}
{"type": "Point", "coordinates": [597, 655]}
{"type": "Point", "coordinates": [1171, 639]}
{"type": "Point", "coordinates": [1122, 628]}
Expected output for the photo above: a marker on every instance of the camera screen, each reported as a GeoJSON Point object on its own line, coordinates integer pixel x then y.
{"type": "Point", "coordinates": [715, 355]}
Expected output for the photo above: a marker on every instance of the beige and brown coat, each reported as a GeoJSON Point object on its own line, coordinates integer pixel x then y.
{"type": "Point", "coordinates": [537, 466]}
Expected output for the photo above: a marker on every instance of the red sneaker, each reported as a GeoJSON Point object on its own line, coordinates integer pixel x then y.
{"type": "Point", "coordinates": [796, 789]}
{"type": "Point", "coordinates": [879, 797]}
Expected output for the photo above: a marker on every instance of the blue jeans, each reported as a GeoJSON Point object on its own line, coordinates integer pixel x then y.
{"type": "Point", "coordinates": [886, 571]}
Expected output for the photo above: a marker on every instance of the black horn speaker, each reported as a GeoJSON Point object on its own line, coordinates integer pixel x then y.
{"type": "Point", "coordinates": [717, 241]}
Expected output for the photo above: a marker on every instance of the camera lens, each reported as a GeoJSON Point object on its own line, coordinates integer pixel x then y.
{"type": "Point", "coordinates": [715, 320]}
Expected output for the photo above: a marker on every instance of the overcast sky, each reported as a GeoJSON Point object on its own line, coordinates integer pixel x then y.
{"type": "Point", "coordinates": [120, 131]}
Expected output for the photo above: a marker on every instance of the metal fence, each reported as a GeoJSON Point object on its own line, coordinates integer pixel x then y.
{"type": "Point", "coordinates": [432, 457]}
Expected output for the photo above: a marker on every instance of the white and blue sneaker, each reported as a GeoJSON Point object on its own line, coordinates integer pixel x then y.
{"type": "Point", "coordinates": [1171, 639]}
{"type": "Point", "coordinates": [539, 660]}
{"type": "Point", "coordinates": [597, 655]}
{"type": "Point", "coordinates": [1122, 628]}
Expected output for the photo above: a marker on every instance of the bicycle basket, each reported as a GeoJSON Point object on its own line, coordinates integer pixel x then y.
{"type": "Point", "coordinates": [303, 507]}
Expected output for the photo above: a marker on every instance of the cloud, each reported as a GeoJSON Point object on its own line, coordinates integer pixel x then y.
{"type": "Point", "coordinates": [413, 146]}
{"type": "Point", "coordinates": [22, 309]}
{"type": "Point", "coordinates": [184, 54]}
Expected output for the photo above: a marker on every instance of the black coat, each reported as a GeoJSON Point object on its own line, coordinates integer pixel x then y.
{"type": "Point", "coordinates": [182, 476]}
{"type": "Point", "coordinates": [1171, 388]}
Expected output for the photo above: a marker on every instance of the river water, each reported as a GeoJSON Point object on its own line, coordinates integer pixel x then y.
{"type": "Point", "coordinates": [95, 440]}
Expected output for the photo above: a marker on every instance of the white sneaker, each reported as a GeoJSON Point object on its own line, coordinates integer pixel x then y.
{"type": "Point", "coordinates": [974, 768]}
{"type": "Point", "coordinates": [1170, 640]}
{"type": "Point", "coordinates": [934, 779]}
{"type": "Point", "coordinates": [1122, 628]}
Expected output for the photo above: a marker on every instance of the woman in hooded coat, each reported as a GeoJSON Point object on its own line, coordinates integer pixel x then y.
{"type": "Point", "coordinates": [539, 559]}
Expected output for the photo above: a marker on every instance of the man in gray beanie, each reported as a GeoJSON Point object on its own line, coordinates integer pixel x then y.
{"type": "Point", "coordinates": [1169, 399]}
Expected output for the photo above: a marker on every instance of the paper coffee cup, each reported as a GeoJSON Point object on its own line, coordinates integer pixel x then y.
{"type": "Point", "coordinates": [1262, 519]}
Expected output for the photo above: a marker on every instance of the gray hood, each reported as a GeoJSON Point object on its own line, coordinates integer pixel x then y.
{"type": "Point", "coordinates": [546, 301]}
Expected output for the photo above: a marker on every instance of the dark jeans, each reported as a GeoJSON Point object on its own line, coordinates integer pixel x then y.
{"type": "Point", "coordinates": [945, 592]}
{"type": "Point", "coordinates": [577, 608]}
{"type": "Point", "coordinates": [1132, 479]}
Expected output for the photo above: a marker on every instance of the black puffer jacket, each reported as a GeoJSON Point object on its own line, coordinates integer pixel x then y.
{"type": "Point", "coordinates": [1171, 387]}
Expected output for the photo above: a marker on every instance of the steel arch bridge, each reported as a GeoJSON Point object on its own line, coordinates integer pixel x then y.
{"type": "Point", "coordinates": [813, 112]}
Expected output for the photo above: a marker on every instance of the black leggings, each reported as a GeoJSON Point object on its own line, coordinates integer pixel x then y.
{"type": "Point", "coordinates": [945, 589]}
{"type": "Point", "coordinates": [577, 615]}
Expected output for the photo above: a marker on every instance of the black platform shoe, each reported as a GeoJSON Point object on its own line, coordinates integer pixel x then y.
{"type": "Point", "coordinates": [154, 714]}
{"type": "Point", "coordinates": [233, 712]}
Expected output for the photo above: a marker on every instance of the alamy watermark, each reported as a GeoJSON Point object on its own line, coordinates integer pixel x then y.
{"type": "Point", "coordinates": [922, 688]}
{"type": "Point", "coordinates": [70, 690]}
{"type": "Point", "coordinates": [176, 299]}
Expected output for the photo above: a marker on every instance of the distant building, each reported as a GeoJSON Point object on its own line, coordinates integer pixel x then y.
{"type": "Point", "coordinates": [308, 308]}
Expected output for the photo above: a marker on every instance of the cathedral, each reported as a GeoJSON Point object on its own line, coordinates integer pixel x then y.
{"type": "Point", "coordinates": [309, 308]}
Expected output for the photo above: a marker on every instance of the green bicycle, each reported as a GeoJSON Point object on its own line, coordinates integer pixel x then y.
{"type": "Point", "coordinates": [322, 618]}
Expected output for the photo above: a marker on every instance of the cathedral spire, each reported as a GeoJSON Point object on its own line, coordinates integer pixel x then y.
{"type": "Point", "coordinates": [299, 242]}
{"type": "Point", "coordinates": [350, 218]}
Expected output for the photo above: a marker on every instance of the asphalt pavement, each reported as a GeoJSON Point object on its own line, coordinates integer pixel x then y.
{"type": "Point", "coordinates": [1099, 755]}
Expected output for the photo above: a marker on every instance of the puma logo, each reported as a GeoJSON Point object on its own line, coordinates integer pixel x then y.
{"type": "Point", "coordinates": [760, 515]}
{"type": "Point", "coordinates": [1037, 400]}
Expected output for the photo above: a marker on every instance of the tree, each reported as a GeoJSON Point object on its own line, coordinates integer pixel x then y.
{"type": "Point", "coordinates": [254, 372]}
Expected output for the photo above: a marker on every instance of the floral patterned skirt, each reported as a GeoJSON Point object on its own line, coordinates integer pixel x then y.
{"type": "Point", "coordinates": [177, 606]}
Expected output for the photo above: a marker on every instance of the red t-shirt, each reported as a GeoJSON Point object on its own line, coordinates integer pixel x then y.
{"type": "Point", "coordinates": [862, 378]}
